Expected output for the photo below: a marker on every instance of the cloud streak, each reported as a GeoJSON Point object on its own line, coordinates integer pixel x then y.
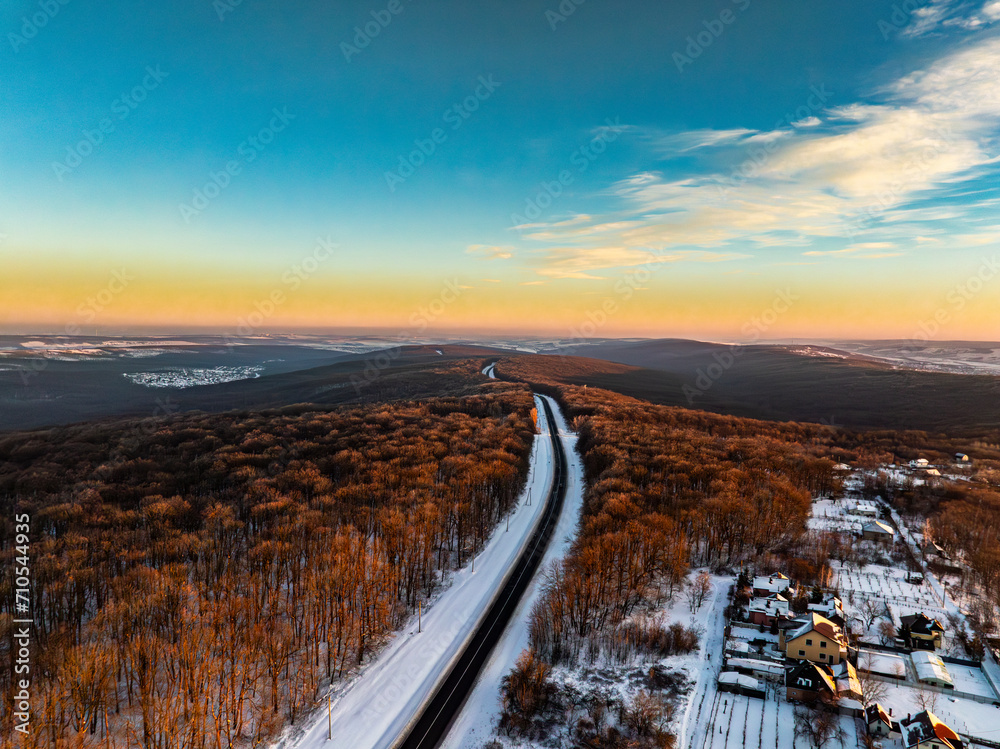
{"type": "Point", "coordinates": [853, 173]}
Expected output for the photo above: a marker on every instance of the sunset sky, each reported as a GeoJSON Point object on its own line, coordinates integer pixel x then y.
{"type": "Point", "coordinates": [670, 169]}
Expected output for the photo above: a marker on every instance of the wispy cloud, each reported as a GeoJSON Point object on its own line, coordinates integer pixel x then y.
{"type": "Point", "coordinates": [491, 252]}
{"type": "Point", "coordinates": [858, 173]}
{"type": "Point", "coordinates": [694, 139]}
{"type": "Point", "coordinates": [583, 263]}
{"type": "Point", "coordinates": [940, 15]}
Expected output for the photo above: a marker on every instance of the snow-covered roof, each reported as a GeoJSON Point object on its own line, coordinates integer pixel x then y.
{"type": "Point", "coordinates": [731, 677]}
{"type": "Point", "coordinates": [819, 624]}
{"type": "Point", "coordinates": [926, 726]}
{"type": "Point", "coordinates": [775, 583]}
{"type": "Point", "coordinates": [754, 664]}
{"type": "Point", "coordinates": [930, 668]}
{"type": "Point", "coordinates": [775, 603]}
{"type": "Point", "coordinates": [877, 526]}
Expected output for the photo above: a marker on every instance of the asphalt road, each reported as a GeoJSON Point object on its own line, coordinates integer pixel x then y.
{"type": "Point", "coordinates": [431, 726]}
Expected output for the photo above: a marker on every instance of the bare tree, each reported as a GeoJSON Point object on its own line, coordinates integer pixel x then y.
{"type": "Point", "coordinates": [872, 688]}
{"type": "Point", "coordinates": [927, 700]}
{"type": "Point", "coordinates": [818, 725]}
{"type": "Point", "coordinates": [870, 610]}
{"type": "Point", "coordinates": [698, 589]}
{"type": "Point", "coordinates": [886, 632]}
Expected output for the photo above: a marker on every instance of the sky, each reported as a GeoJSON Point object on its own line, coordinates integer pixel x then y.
{"type": "Point", "coordinates": [720, 169]}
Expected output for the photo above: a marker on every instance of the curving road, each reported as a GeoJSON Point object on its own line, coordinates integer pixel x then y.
{"type": "Point", "coordinates": [430, 727]}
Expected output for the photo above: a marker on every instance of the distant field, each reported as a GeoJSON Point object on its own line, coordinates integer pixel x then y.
{"type": "Point", "coordinates": [776, 384]}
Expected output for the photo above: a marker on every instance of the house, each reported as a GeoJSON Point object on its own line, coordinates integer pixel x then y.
{"type": "Point", "coordinates": [808, 682]}
{"type": "Point", "coordinates": [930, 669]}
{"type": "Point", "coordinates": [766, 610]}
{"type": "Point", "coordinates": [864, 509]}
{"type": "Point", "coordinates": [925, 731]}
{"type": "Point", "coordinates": [767, 585]}
{"type": "Point", "coordinates": [816, 639]}
{"type": "Point", "coordinates": [920, 463]}
{"type": "Point", "coordinates": [962, 458]}
{"type": "Point", "coordinates": [920, 631]}
{"type": "Point", "coordinates": [832, 608]}
{"type": "Point", "coordinates": [932, 549]}
{"type": "Point", "coordinates": [876, 530]}
{"type": "Point", "coordinates": [737, 683]}
{"type": "Point", "coordinates": [879, 722]}
{"type": "Point", "coordinates": [847, 681]}
{"type": "Point", "coordinates": [933, 472]}
{"type": "Point", "coordinates": [841, 467]}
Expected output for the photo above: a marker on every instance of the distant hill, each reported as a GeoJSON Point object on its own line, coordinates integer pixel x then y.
{"type": "Point", "coordinates": [64, 392]}
{"type": "Point", "coordinates": [780, 383]}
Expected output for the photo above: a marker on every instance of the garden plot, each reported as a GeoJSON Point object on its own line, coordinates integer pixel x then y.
{"type": "Point", "coordinates": [737, 721]}
{"type": "Point", "coordinates": [892, 665]}
{"type": "Point", "coordinates": [971, 680]}
{"type": "Point", "coordinates": [831, 515]}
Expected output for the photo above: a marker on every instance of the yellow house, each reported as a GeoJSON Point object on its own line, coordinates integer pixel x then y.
{"type": "Point", "coordinates": [817, 639]}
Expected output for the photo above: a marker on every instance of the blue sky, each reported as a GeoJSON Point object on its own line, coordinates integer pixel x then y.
{"type": "Point", "coordinates": [889, 172]}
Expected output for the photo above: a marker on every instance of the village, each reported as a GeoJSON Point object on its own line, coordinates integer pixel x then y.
{"type": "Point", "coordinates": [877, 656]}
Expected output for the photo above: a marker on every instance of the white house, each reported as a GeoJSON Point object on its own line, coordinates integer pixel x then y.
{"type": "Point", "coordinates": [864, 509]}
{"type": "Point", "coordinates": [768, 585]}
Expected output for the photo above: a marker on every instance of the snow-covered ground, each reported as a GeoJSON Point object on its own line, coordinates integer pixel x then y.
{"type": "Point", "coordinates": [965, 716]}
{"type": "Point", "coordinates": [473, 726]}
{"type": "Point", "coordinates": [738, 721]}
{"type": "Point", "coordinates": [372, 710]}
{"type": "Point", "coordinates": [693, 726]}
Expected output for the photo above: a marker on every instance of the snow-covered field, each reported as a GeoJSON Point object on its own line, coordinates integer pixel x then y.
{"type": "Point", "coordinates": [738, 721]}
{"type": "Point", "coordinates": [372, 710]}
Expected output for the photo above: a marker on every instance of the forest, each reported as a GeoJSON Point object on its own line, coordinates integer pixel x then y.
{"type": "Point", "coordinates": [669, 489]}
{"type": "Point", "coordinates": [196, 583]}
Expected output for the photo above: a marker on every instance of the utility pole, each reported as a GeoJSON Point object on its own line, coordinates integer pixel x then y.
{"type": "Point", "coordinates": [329, 718]}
